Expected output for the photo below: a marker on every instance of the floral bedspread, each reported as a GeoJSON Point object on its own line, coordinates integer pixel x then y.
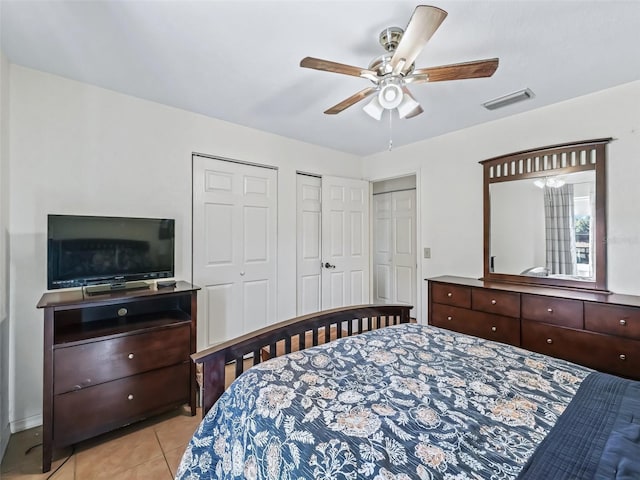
{"type": "Point", "coordinates": [403, 402]}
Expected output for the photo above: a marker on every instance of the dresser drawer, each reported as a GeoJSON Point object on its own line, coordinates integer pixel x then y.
{"type": "Point", "coordinates": [610, 354]}
{"type": "Point", "coordinates": [496, 301]}
{"type": "Point", "coordinates": [479, 324]}
{"type": "Point", "coordinates": [98, 409]}
{"type": "Point", "coordinates": [613, 319]}
{"type": "Point", "coordinates": [447, 294]}
{"type": "Point", "coordinates": [558, 311]}
{"type": "Point", "coordinates": [96, 362]}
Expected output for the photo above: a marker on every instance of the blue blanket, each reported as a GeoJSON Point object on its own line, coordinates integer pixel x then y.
{"type": "Point", "coordinates": [399, 403]}
{"type": "Point", "coordinates": [597, 437]}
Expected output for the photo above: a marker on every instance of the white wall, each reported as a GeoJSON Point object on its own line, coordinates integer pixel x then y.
{"type": "Point", "coordinates": [4, 254]}
{"type": "Point", "coordinates": [450, 179]}
{"type": "Point", "coordinates": [80, 149]}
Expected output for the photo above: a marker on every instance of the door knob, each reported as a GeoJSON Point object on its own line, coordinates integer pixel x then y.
{"type": "Point", "coordinates": [328, 265]}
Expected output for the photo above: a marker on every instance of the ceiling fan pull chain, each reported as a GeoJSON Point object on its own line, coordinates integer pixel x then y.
{"type": "Point", "coordinates": [390, 129]}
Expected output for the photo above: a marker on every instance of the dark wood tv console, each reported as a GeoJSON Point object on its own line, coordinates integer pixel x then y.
{"type": "Point", "coordinates": [114, 359]}
{"type": "Point", "coordinates": [601, 331]}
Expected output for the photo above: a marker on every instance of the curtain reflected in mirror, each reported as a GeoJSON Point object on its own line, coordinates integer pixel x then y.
{"type": "Point", "coordinates": [544, 227]}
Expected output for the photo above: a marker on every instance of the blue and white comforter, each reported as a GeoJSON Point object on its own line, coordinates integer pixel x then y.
{"type": "Point", "coordinates": [404, 402]}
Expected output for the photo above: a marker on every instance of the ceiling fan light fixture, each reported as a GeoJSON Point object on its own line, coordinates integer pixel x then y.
{"type": "Point", "coordinates": [407, 106]}
{"type": "Point", "coordinates": [374, 109]}
{"type": "Point", "coordinates": [390, 96]}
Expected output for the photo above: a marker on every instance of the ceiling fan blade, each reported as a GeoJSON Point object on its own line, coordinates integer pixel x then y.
{"type": "Point", "coordinates": [455, 71]}
{"type": "Point", "coordinates": [334, 67]}
{"type": "Point", "coordinates": [422, 25]}
{"type": "Point", "coordinates": [415, 112]}
{"type": "Point", "coordinates": [353, 99]}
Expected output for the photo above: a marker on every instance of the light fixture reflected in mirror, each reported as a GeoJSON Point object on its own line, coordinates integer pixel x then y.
{"type": "Point", "coordinates": [551, 182]}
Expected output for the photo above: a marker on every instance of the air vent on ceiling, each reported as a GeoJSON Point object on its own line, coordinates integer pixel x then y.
{"type": "Point", "coordinates": [509, 99]}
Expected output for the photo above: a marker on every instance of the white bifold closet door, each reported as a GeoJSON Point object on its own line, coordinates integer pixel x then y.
{"type": "Point", "coordinates": [345, 242]}
{"type": "Point", "coordinates": [309, 244]}
{"type": "Point", "coordinates": [234, 247]}
{"type": "Point", "coordinates": [394, 248]}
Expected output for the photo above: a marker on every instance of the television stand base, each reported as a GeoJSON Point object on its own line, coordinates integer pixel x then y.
{"type": "Point", "coordinates": [111, 287]}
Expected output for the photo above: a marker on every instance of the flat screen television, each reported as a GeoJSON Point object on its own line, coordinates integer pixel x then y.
{"type": "Point", "coordinates": [91, 250]}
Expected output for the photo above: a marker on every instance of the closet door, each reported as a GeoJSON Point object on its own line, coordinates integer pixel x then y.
{"type": "Point", "coordinates": [309, 244]}
{"type": "Point", "coordinates": [382, 248]}
{"type": "Point", "coordinates": [234, 247]}
{"type": "Point", "coordinates": [345, 242]}
{"type": "Point", "coordinates": [394, 248]}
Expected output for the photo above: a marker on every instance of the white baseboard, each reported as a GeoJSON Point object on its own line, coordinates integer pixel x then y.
{"type": "Point", "coordinates": [4, 439]}
{"type": "Point", "coordinates": [26, 423]}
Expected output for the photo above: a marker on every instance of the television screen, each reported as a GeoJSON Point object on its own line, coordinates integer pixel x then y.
{"type": "Point", "coordinates": [85, 250]}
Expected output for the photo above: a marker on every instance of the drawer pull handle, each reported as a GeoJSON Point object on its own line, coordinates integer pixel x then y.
{"type": "Point", "coordinates": [130, 397]}
{"type": "Point", "coordinates": [623, 322]}
{"type": "Point", "coordinates": [449, 294]}
{"type": "Point", "coordinates": [130, 356]}
{"type": "Point", "coordinates": [550, 310]}
{"type": "Point", "coordinates": [494, 329]}
{"type": "Point", "coordinates": [549, 341]}
{"type": "Point", "coordinates": [493, 302]}
{"type": "Point", "coordinates": [122, 312]}
{"type": "Point", "coordinates": [623, 357]}
{"type": "Point", "coordinates": [449, 318]}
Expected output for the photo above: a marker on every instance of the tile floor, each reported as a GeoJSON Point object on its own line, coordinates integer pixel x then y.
{"type": "Point", "coordinates": [151, 449]}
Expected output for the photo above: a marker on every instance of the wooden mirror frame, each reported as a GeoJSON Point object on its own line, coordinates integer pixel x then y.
{"type": "Point", "coordinates": [543, 162]}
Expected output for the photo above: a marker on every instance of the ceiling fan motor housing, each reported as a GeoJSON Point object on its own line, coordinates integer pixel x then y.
{"type": "Point", "coordinates": [390, 38]}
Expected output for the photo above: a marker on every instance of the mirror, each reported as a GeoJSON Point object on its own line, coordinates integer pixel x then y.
{"type": "Point", "coordinates": [545, 216]}
{"type": "Point", "coordinates": [523, 212]}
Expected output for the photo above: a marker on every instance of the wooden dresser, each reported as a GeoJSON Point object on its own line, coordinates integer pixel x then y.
{"type": "Point", "coordinates": [113, 359]}
{"type": "Point", "coordinates": [593, 329]}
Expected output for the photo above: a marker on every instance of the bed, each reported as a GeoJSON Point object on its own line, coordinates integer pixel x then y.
{"type": "Point", "coordinates": [408, 401]}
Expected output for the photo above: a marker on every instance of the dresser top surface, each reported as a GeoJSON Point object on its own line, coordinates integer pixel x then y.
{"type": "Point", "coordinates": [611, 298]}
{"type": "Point", "coordinates": [78, 297]}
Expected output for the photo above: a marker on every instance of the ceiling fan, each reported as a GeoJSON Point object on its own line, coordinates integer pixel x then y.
{"type": "Point", "coordinates": [394, 70]}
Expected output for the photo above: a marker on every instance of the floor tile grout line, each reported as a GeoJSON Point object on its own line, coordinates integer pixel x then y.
{"type": "Point", "coordinates": [164, 455]}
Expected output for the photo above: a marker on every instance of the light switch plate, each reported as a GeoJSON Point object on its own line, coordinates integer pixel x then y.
{"type": "Point", "coordinates": [427, 252]}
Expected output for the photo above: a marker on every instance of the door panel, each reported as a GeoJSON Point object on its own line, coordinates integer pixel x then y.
{"type": "Point", "coordinates": [394, 244]}
{"type": "Point", "coordinates": [218, 247]}
{"type": "Point", "coordinates": [345, 240]}
{"type": "Point", "coordinates": [337, 289]}
{"type": "Point", "coordinates": [234, 247]}
{"type": "Point", "coordinates": [308, 256]}
{"type": "Point", "coordinates": [256, 234]}
{"type": "Point", "coordinates": [382, 284]}
{"type": "Point", "coordinates": [404, 284]}
{"type": "Point", "coordinates": [255, 310]}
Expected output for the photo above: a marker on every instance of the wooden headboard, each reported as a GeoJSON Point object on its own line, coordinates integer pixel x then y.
{"type": "Point", "coordinates": [345, 321]}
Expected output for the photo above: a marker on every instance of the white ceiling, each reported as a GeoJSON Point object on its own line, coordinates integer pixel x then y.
{"type": "Point", "coordinates": [239, 60]}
